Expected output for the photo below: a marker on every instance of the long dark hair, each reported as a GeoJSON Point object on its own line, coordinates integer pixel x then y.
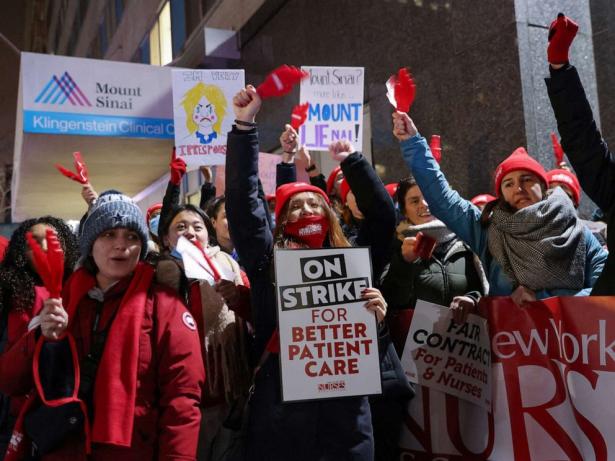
{"type": "Point", "coordinates": [17, 278]}
{"type": "Point", "coordinates": [212, 209]}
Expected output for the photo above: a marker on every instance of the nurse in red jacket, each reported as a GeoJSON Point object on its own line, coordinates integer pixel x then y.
{"type": "Point", "coordinates": [144, 400]}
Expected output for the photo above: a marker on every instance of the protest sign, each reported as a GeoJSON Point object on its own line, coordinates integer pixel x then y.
{"type": "Point", "coordinates": [447, 356]}
{"type": "Point", "coordinates": [328, 339]}
{"type": "Point", "coordinates": [197, 266]}
{"type": "Point", "coordinates": [335, 95]}
{"type": "Point", "coordinates": [203, 113]}
{"type": "Point", "coordinates": [553, 372]}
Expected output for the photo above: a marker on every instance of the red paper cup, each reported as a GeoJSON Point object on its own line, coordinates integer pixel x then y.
{"type": "Point", "coordinates": [424, 246]}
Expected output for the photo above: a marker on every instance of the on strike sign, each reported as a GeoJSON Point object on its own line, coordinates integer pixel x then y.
{"type": "Point", "coordinates": [328, 339]}
{"type": "Point", "coordinates": [447, 356]}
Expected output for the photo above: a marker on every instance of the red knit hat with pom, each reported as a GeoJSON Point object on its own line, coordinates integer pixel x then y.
{"type": "Point", "coordinates": [482, 199]}
{"type": "Point", "coordinates": [391, 189]}
{"type": "Point", "coordinates": [286, 191]}
{"type": "Point", "coordinates": [151, 210]}
{"type": "Point", "coordinates": [331, 179]}
{"type": "Point", "coordinates": [569, 179]}
{"type": "Point", "coordinates": [518, 160]}
{"type": "Point", "coordinates": [344, 190]}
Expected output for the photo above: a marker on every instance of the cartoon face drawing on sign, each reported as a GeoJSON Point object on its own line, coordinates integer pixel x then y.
{"type": "Point", "coordinates": [205, 107]}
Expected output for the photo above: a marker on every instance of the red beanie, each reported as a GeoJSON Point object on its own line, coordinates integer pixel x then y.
{"type": "Point", "coordinates": [151, 210]}
{"type": "Point", "coordinates": [331, 179]}
{"type": "Point", "coordinates": [518, 160]}
{"type": "Point", "coordinates": [568, 178]}
{"type": "Point", "coordinates": [482, 199]}
{"type": "Point", "coordinates": [344, 189]}
{"type": "Point", "coordinates": [391, 189]}
{"type": "Point", "coordinates": [4, 243]}
{"type": "Point", "coordinates": [286, 191]}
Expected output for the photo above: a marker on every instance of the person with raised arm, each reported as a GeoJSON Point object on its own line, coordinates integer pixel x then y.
{"type": "Point", "coordinates": [581, 140]}
{"type": "Point", "coordinates": [326, 429]}
{"type": "Point", "coordinates": [531, 244]}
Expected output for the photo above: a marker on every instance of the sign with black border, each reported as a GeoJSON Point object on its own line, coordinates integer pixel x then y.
{"type": "Point", "coordinates": [328, 339]}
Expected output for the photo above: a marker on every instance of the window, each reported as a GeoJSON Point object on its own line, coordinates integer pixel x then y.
{"type": "Point", "coordinates": [178, 23]}
{"type": "Point", "coordinates": [142, 54]}
{"type": "Point", "coordinates": [160, 39]}
{"type": "Point", "coordinates": [168, 35]}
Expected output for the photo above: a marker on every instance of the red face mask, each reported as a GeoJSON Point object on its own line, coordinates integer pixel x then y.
{"type": "Point", "coordinates": [311, 230]}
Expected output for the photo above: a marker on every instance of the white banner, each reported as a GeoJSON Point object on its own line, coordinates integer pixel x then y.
{"type": "Point", "coordinates": [335, 95]}
{"type": "Point", "coordinates": [203, 113]}
{"type": "Point", "coordinates": [447, 356]}
{"type": "Point", "coordinates": [76, 96]}
{"type": "Point", "coordinates": [328, 339]}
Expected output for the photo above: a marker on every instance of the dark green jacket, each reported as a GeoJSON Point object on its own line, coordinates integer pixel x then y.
{"type": "Point", "coordinates": [450, 272]}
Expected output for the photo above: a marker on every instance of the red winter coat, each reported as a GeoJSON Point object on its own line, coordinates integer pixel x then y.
{"type": "Point", "coordinates": [170, 376]}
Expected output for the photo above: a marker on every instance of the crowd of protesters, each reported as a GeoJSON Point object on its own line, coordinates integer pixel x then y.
{"type": "Point", "coordinates": [138, 359]}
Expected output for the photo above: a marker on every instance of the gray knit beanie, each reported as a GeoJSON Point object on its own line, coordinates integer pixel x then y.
{"type": "Point", "coordinates": [111, 210]}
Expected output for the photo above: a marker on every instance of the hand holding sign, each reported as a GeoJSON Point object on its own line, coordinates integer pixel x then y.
{"type": "Point", "coordinates": [299, 114]}
{"type": "Point", "coordinates": [50, 265]}
{"type": "Point", "coordinates": [403, 126]}
{"type": "Point", "coordinates": [246, 105]}
{"type": "Point", "coordinates": [561, 34]}
{"type": "Point", "coordinates": [436, 147]}
{"type": "Point", "coordinates": [280, 81]}
{"type": "Point", "coordinates": [462, 306]}
{"type": "Point", "coordinates": [340, 150]}
{"type": "Point", "coordinates": [557, 150]}
{"type": "Point", "coordinates": [81, 175]}
{"type": "Point", "coordinates": [375, 302]}
{"type": "Point", "coordinates": [401, 90]}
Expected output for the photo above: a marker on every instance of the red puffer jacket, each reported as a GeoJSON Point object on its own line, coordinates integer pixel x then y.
{"type": "Point", "coordinates": [169, 373]}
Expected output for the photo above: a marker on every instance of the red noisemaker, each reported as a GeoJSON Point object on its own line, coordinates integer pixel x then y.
{"type": "Point", "coordinates": [401, 90]}
{"type": "Point", "coordinates": [280, 81]}
{"type": "Point", "coordinates": [82, 170]}
{"type": "Point", "coordinates": [424, 246]}
{"type": "Point", "coordinates": [49, 266]}
{"type": "Point", "coordinates": [299, 115]}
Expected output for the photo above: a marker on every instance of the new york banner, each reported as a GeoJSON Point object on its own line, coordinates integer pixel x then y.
{"type": "Point", "coordinates": [553, 375]}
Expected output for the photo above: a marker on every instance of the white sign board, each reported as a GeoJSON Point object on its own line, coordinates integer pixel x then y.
{"type": "Point", "coordinates": [450, 357]}
{"type": "Point", "coordinates": [203, 113]}
{"type": "Point", "coordinates": [335, 95]}
{"type": "Point", "coordinates": [89, 97]}
{"type": "Point", "coordinates": [328, 339]}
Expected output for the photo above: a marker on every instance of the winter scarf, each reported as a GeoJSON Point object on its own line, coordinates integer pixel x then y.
{"type": "Point", "coordinates": [542, 246]}
{"type": "Point", "coordinates": [224, 335]}
{"type": "Point", "coordinates": [115, 388]}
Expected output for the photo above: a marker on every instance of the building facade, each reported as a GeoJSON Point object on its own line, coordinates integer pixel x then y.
{"type": "Point", "coordinates": [478, 66]}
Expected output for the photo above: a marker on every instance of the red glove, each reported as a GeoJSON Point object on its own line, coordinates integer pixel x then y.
{"type": "Point", "coordinates": [281, 81]}
{"type": "Point", "coordinates": [561, 34]}
{"type": "Point", "coordinates": [297, 118]}
{"type": "Point", "coordinates": [49, 266]}
{"type": "Point", "coordinates": [82, 170]}
{"type": "Point", "coordinates": [436, 147]}
{"type": "Point", "coordinates": [178, 169]}
{"type": "Point", "coordinates": [557, 150]}
{"type": "Point", "coordinates": [405, 90]}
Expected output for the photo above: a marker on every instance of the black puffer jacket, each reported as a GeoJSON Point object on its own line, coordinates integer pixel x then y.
{"type": "Point", "coordinates": [589, 155]}
{"type": "Point", "coordinates": [450, 272]}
